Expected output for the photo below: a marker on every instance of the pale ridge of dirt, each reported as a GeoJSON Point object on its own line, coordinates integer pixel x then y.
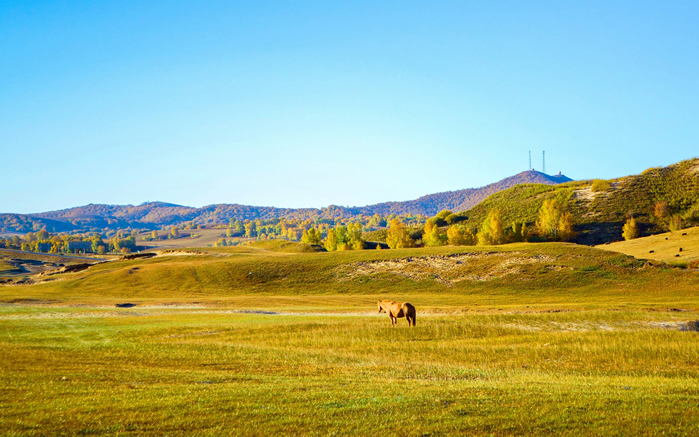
{"type": "Point", "coordinates": [445, 269]}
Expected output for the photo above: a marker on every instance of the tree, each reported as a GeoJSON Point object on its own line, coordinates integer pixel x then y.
{"type": "Point", "coordinates": [661, 210]}
{"type": "Point", "coordinates": [175, 232]}
{"type": "Point", "coordinates": [354, 233]}
{"type": "Point", "coordinates": [229, 232]}
{"type": "Point", "coordinates": [42, 235]}
{"type": "Point", "coordinates": [331, 241]}
{"type": "Point", "coordinates": [492, 231]}
{"type": "Point", "coordinates": [397, 235]}
{"type": "Point", "coordinates": [549, 219]}
{"type": "Point", "coordinates": [312, 236]}
{"type": "Point", "coordinates": [154, 235]}
{"type": "Point", "coordinates": [565, 227]}
{"type": "Point", "coordinates": [676, 223]}
{"type": "Point", "coordinates": [431, 235]}
{"type": "Point", "coordinates": [630, 230]}
{"type": "Point", "coordinates": [460, 236]}
{"type": "Point", "coordinates": [517, 227]}
{"type": "Point", "coordinates": [250, 229]}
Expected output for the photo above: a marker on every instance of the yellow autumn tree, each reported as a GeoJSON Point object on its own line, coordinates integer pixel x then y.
{"type": "Point", "coordinates": [331, 241]}
{"type": "Point", "coordinates": [630, 229]}
{"type": "Point", "coordinates": [492, 230]}
{"type": "Point", "coordinates": [431, 235]}
{"type": "Point", "coordinates": [397, 235]}
{"type": "Point", "coordinates": [565, 227]}
{"type": "Point", "coordinates": [460, 236]}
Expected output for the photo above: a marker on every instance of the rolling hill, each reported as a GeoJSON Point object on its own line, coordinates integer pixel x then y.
{"type": "Point", "coordinates": [601, 209]}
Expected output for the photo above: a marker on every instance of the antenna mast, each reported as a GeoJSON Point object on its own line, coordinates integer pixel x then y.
{"type": "Point", "coordinates": [543, 164]}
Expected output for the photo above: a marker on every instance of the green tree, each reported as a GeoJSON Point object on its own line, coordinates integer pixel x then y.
{"type": "Point", "coordinates": [250, 229]}
{"type": "Point", "coordinates": [354, 232]}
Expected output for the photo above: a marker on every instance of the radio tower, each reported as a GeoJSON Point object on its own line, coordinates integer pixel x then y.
{"type": "Point", "coordinates": [543, 164]}
{"type": "Point", "coordinates": [530, 160]}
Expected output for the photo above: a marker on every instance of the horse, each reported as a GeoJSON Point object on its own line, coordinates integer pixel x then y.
{"type": "Point", "coordinates": [396, 310]}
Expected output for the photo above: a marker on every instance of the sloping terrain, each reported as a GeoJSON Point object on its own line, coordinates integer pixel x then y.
{"type": "Point", "coordinates": [600, 214]}
{"type": "Point", "coordinates": [679, 247]}
{"type": "Point", "coordinates": [521, 269]}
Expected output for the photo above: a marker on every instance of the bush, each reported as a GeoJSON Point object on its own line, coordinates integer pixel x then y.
{"type": "Point", "coordinates": [599, 185]}
{"type": "Point", "coordinates": [676, 223]}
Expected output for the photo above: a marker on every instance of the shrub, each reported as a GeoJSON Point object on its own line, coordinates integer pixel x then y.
{"type": "Point", "coordinates": [630, 229]}
{"type": "Point", "coordinates": [676, 223]}
{"type": "Point", "coordinates": [599, 185]}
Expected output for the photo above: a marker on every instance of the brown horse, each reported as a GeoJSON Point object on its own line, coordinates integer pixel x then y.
{"type": "Point", "coordinates": [396, 310]}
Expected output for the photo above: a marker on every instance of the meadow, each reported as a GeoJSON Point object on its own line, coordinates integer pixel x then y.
{"type": "Point", "coordinates": [516, 339]}
{"type": "Point", "coordinates": [678, 247]}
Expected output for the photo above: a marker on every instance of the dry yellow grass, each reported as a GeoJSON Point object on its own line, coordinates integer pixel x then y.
{"type": "Point", "coordinates": [661, 247]}
{"type": "Point", "coordinates": [206, 237]}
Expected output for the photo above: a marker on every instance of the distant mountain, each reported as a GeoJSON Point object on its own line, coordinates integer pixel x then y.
{"type": "Point", "coordinates": [153, 215]}
{"type": "Point", "coordinates": [460, 200]}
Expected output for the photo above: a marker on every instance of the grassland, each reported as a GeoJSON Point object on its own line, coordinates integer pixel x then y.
{"type": "Point", "coordinates": [679, 247]}
{"type": "Point", "coordinates": [516, 339]}
{"type": "Point", "coordinates": [188, 238]}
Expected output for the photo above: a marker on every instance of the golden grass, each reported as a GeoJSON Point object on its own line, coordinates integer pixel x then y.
{"type": "Point", "coordinates": [665, 246]}
{"type": "Point", "coordinates": [559, 339]}
{"type": "Point", "coordinates": [202, 371]}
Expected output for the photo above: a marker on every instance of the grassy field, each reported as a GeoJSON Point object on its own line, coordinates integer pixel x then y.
{"type": "Point", "coordinates": [665, 247]}
{"type": "Point", "coordinates": [517, 339]}
{"type": "Point", "coordinates": [188, 238]}
{"type": "Point", "coordinates": [6, 266]}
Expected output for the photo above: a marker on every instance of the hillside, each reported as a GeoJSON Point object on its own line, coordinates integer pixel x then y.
{"type": "Point", "coordinates": [680, 247]}
{"type": "Point", "coordinates": [154, 215]}
{"type": "Point", "coordinates": [520, 269]}
{"type": "Point", "coordinates": [600, 214]}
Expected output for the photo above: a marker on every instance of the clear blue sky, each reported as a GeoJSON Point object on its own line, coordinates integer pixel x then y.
{"type": "Point", "coordinates": [306, 104]}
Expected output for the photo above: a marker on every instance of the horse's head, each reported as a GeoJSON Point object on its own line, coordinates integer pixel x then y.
{"type": "Point", "coordinates": [381, 309]}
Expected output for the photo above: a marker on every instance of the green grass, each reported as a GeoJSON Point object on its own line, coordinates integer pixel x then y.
{"type": "Point", "coordinates": [6, 266]}
{"type": "Point", "coordinates": [559, 339]}
{"type": "Point", "coordinates": [210, 372]}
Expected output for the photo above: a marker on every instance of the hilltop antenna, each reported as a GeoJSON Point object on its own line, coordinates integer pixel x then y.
{"type": "Point", "coordinates": [543, 164]}
{"type": "Point", "coordinates": [530, 160]}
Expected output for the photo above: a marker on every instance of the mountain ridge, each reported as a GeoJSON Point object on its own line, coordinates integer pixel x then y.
{"type": "Point", "coordinates": [152, 215]}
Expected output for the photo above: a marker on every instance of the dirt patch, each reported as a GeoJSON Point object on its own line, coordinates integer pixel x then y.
{"type": "Point", "coordinates": [445, 269]}
{"type": "Point", "coordinates": [585, 194]}
{"type": "Point", "coordinates": [175, 252]}
{"type": "Point", "coordinates": [138, 255]}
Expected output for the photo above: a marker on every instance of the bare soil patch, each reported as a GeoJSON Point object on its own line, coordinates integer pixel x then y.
{"type": "Point", "coordinates": [447, 269]}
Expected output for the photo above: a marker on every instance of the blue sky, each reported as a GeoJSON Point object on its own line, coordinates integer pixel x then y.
{"type": "Point", "coordinates": [306, 104]}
